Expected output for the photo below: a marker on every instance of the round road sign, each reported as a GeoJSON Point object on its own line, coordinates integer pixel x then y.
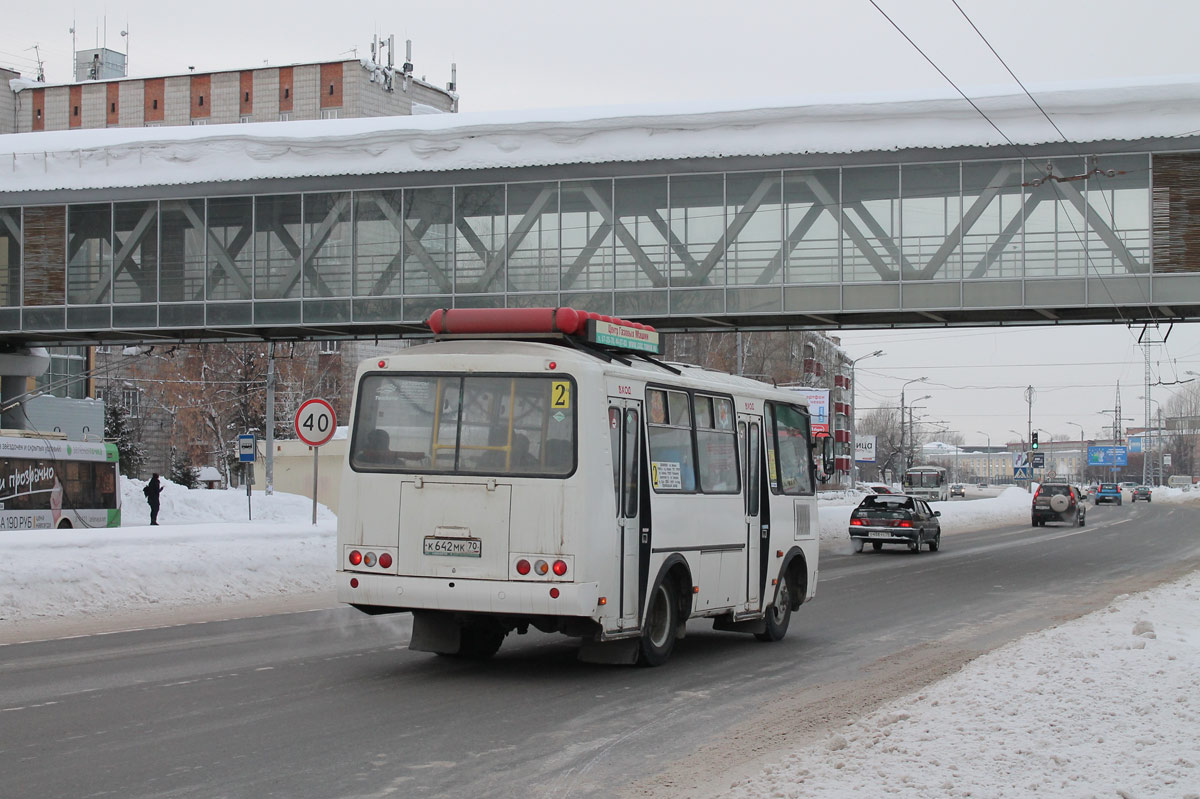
{"type": "Point", "coordinates": [315, 422]}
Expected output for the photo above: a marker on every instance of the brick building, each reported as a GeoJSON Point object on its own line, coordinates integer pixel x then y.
{"type": "Point", "coordinates": [350, 88]}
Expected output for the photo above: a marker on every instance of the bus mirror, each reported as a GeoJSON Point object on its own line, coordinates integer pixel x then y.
{"type": "Point", "coordinates": [823, 455]}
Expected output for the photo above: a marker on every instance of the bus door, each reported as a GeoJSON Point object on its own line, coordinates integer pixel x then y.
{"type": "Point", "coordinates": [625, 432]}
{"type": "Point", "coordinates": [750, 444]}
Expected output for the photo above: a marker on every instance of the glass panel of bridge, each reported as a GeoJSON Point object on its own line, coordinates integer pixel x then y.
{"type": "Point", "coordinates": [992, 212]}
{"type": "Point", "coordinates": [1118, 199]}
{"type": "Point", "coordinates": [929, 215]}
{"type": "Point", "coordinates": [479, 220]}
{"type": "Point", "coordinates": [811, 203]}
{"type": "Point", "coordinates": [181, 260]}
{"type": "Point", "coordinates": [697, 230]}
{"type": "Point", "coordinates": [586, 235]}
{"type": "Point", "coordinates": [378, 226]}
{"type": "Point", "coordinates": [533, 255]}
{"type": "Point", "coordinates": [328, 245]}
{"type": "Point", "coordinates": [230, 250]}
{"type": "Point", "coordinates": [277, 247]}
{"type": "Point", "coordinates": [89, 248]}
{"type": "Point", "coordinates": [754, 208]}
{"type": "Point", "coordinates": [10, 259]}
{"type": "Point", "coordinates": [870, 223]}
{"type": "Point", "coordinates": [135, 263]}
{"type": "Point", "coordinates": [428, 241]}
{"type": "Point", "coordinates": [640, 208]}
{"type": "Point", "coordinates": [1054, 226]}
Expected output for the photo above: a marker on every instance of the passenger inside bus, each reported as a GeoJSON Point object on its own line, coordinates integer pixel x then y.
{"type": "Point", "coordinates": [377, 448]}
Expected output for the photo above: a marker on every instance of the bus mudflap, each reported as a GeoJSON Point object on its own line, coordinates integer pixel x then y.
{"type": "Point", "coordinates": [622, 652]}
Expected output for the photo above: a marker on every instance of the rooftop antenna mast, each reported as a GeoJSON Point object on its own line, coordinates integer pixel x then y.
{"type": "Point", "coordinates": [41, 68]}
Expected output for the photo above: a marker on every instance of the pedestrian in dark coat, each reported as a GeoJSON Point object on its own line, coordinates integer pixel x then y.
{"type": "Point", "coordinates": [152, 490]}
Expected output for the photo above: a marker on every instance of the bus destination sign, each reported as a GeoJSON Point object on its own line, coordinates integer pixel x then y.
{"type": "Point", "coordinates": [614, 334]}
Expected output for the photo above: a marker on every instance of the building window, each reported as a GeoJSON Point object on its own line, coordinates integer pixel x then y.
{"type": "Point", "coordinates": [244, 118]}
{"type": "Point", "coordinates": [201, 102]}
{"type": "Point", "coordinates": [39, 113]}
{"type": "Point", "coordinates": [199, 121]}
{"type": "Point", "coordinates": [247, 97]}
{"type": "Point", "coordinates": [131, 400]}
{"type": "Point", "coordinates": [112, 107]}
{"type": "Point", "coordinates": [153, 124]}
{"type": "Point", "coordinates": [154, 104]}
{"type": "Point", "coordinates": [329, 113]}
{"type": "Point", "coordinates": [329, 347]}
{"type": "Point", "coordinates": [285, 116]}
{"type": "Point", "coordinates": [76, 111]}
{"type": "Point", "coordinates": [287, 92]}
{"type": "Point", "coordinates": [331, 90]}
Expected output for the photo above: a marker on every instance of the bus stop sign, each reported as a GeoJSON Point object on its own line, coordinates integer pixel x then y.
{"type": "Point", "coordinates": [246, 448]}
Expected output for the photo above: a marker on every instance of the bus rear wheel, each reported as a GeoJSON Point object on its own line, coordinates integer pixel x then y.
{"type": "Point", "coordinates": [65, 524]}
{"type": "Point", "coordinates": [779, 614]}
{"type": "Point", "coordinates": [658, 631]}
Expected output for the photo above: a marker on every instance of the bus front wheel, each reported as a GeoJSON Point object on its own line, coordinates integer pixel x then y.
{"type": "Point", "coordinates": [658, 632]}
{"type": "Point", "coordinates": [779, 614]}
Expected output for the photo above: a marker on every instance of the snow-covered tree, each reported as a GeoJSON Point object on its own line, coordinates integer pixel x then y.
{"type": "Point", "coordinates": [120, 430]}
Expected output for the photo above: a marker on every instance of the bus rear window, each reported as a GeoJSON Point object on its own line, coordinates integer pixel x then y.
{"type": "Point", "coordinates": [473, 425]}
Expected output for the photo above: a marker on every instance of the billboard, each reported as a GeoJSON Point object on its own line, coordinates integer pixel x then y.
{"type": "Point", "coordinates": [1108, 456]}
{"type": "Point", "coordinates": [818, 407]}
{"type": "Point", "coordinates": [864, 449]}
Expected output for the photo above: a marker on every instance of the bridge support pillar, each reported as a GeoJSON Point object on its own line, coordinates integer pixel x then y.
{"type": "Point", "coordinates": [16, 366]}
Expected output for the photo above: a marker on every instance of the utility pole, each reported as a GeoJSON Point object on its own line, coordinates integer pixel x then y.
{"type": "Point", "coordinates": [269, 433]}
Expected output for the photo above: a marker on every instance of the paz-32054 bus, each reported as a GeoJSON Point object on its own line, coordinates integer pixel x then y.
{"type": "Point", "coordinates": [538, 467]}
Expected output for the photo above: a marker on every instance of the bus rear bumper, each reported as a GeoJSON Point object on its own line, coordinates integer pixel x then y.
{"type": "Point", "coordinates": [470, 596]}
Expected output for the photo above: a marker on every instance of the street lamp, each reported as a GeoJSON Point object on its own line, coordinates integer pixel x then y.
{"type": "Point", "coordinates": [853, 428]}
{"type": "Point", "coordinates": [1082, 454]}
{"type": "Point", "coordinates": [912, 430]}
{"type": "Point", "coordinates": [989, 455]}
{"type": "Point", "coordinates": [903, 462]}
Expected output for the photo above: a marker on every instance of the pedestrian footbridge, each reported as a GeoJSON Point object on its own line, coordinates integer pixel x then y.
{"type": "Point", "coordinates": [884, 211]}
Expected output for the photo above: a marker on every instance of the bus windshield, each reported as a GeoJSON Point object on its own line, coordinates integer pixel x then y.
{"type": "Point", "coordinates": [922, 479]}
{"type": "Point", "coordinates": [447, 424]}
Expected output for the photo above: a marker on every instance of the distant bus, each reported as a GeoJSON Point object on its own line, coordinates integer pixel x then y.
{"type": "Point", "coordinates": [50, 484]}
{"type": "Point", "coordinates": [927, 482]}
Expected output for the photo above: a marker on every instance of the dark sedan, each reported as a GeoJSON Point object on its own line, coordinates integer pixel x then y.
{"type": "Point", "coordinates": [895, 519]}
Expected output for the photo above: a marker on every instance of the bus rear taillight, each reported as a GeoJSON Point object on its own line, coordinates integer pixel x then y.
{"type": "Point", "coordinates": [355, 558]}
{"type": "Point", "coordinates": [541, 567]}
{"type": "Point", "coordinates": [560, 567]}
{"type": "Point", "coordinates": [385, 561]}
{"type": "Point", "coordinates": [369, 559]}
{"type": "Point", "coordinates": [523, 566]}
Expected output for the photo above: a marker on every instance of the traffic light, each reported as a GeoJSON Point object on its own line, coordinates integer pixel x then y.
{"type": "Point", "coordinates": [1035, 443]}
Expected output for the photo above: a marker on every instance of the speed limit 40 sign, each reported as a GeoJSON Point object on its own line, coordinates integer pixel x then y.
{"type": "Point", "coordinates": [315, 422]}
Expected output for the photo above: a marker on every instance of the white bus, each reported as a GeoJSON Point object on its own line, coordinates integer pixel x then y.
{"type": "Point", "coordinates": [928, 483]}
{"type": "Point", "coordinates": [499, 483]}
{"type": "Point", "coordinates": [48, 483]}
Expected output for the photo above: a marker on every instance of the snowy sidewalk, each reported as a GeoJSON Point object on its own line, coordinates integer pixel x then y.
{"type": "Point", "coordinates": [1107, 705]}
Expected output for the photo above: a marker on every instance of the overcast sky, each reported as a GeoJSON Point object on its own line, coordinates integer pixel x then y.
{"type": "Point", "coordinates": [544, 53]}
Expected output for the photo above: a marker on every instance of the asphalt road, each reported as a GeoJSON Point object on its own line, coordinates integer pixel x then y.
{"type": "Point", "coordinates": [332, 704]}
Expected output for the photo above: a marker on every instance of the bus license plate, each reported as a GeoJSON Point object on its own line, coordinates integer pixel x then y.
{"type": "Point", "coordinates": [456, 547]}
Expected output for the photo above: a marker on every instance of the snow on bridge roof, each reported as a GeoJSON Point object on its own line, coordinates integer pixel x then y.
{"type": "Point", "coordinates": [124, 157]}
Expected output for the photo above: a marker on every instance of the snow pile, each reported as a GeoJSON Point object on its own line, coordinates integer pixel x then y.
{"type": "Point", "coordinates": [115, 157]}
{"type": "Point", "coordinates": [1107, 705]}
{"type": "Point", "coordinates": [180, 505]}
{"type": "Point", "coordinates": [1011, 507]}
{"type": "Point", "coordinates": [203, 552]}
